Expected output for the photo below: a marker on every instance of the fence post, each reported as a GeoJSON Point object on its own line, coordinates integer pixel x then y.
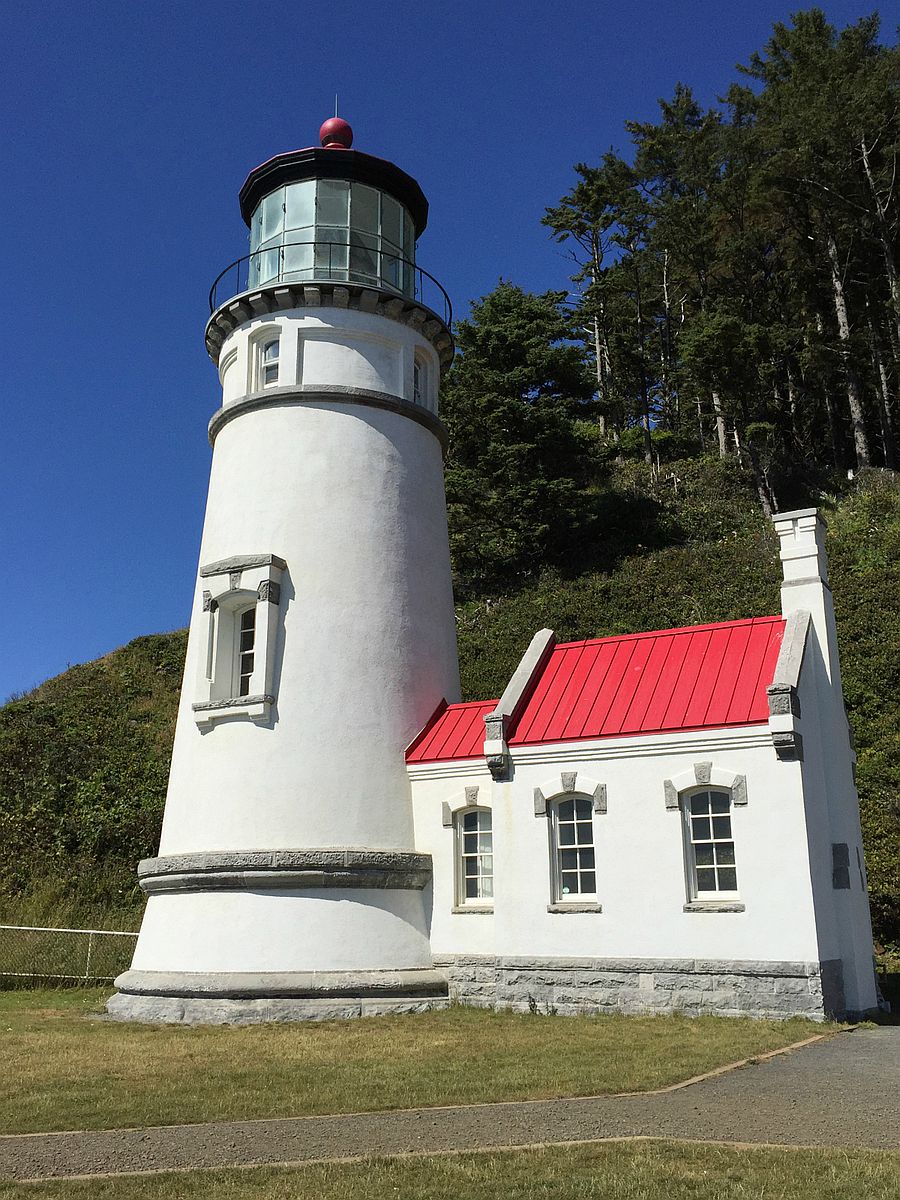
{"type": "Point", "coordinates": [87, 965]}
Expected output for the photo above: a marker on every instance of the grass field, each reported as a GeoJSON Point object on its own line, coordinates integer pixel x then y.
{"type": "Point", "coordinates": [610, 1171]}
{"type": "Point", "coordinates": [65, 1067]}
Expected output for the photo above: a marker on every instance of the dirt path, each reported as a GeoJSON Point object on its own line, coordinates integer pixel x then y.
{"type": "Point", "coordinates": [844, 1091]}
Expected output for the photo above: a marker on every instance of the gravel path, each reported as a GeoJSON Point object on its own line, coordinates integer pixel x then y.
{"type": "Point", "coordinates": [844, 1091]}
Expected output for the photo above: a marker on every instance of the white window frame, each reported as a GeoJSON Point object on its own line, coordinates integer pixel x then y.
{"type": "Point", "coordinates": [558, 895]}
{"type": "Point", "coordinates": [244, 648]}
{"type": "Point", "coordinates": [228, 595]}
{"type": "Point", "coordinates": [695, 895]}
{"type": "Point", "coordinates": [484, 900]}
{"type": "Point", "coordinates": [265, 365]}
{"type": "Point", "coordinates": [258, 341]}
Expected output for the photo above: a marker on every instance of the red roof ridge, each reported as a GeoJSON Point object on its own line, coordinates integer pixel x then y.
{"type": "Point", "coordinates": [622, 637]}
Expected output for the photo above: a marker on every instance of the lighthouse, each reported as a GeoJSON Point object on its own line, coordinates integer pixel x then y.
{"type": "Point", "coordinates": [322, 634]}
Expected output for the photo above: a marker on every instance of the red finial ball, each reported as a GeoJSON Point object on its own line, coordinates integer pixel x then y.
{"type": "Point", "coordinates": [336, 134]}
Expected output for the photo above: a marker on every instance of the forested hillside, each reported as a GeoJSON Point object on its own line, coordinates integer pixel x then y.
{"type": "Point", "coordinates": [732, 348]}
{"type": "Point", "coordinates": [84, 758]}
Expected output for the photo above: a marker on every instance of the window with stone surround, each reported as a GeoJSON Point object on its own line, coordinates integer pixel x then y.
{"type": "Point", "coordinates": [710, 864]}
{"type": "Point", "coordinates": [574, 875]}
{"type": "Point", "coordinates": [474, 858]}
{"type": "Point", "coordinates": [241, 600]}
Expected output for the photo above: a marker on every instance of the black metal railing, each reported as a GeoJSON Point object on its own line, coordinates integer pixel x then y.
{"type": "Point", "coordinates": [330, 262]}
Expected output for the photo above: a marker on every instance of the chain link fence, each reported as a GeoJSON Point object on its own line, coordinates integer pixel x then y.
{"type": "Point", "coordinates": [32, 956]}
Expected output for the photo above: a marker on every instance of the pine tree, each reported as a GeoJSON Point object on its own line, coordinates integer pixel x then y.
{"type": "Point", "coordinates": [510, 404]}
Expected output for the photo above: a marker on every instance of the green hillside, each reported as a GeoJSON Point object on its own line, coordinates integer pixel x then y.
{"type": "Point", "coordinates": [84, 757]}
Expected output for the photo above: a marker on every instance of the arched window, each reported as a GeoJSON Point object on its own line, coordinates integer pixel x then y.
{"type": "Point", "coordinates": [574, 874]}
{"type": "Point", "coordinates": [268, 362]}
{"type": "Point", "coordinates": [710, 862]}
{"type": "Point", "coordinates": [474, 857]}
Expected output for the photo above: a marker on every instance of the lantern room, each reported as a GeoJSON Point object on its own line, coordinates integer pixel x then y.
{"type": "Point", "coordinates": [333, 214]}
{"type": "Point", "coordinates": [330, 227]}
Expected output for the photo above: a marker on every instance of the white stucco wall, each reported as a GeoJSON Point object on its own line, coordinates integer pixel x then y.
{"type": "Point", "coordinates": [331, 347]}
{"type": "Point", "coordinates": [283, 931]}
{"type": "Point", "coordinates": [352, 499]}
{"type": "Point", "coordinates": [842, 914]}
{"type": "Point", "coordinates": [640, 856]}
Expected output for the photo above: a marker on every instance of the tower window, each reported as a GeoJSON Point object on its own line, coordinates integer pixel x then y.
{"type": "Point", "coordinates": [422, 389]}
{"type": "Point", "coordinates": [269, 352]}
{"type": "Point", "coordinates": [246, 633]}
{"type": "Point", "coordinates": [709, 845]}
{"type": "Point", "coordinates": [572, 838]}
{"type": "Point", "coordinates": [242, 603]}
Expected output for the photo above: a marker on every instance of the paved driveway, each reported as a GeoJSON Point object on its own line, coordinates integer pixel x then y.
{"type": "Point", "coordinates": [844, 1091]}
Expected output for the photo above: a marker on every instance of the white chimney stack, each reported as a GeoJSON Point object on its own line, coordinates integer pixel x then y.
{"type": "Point", "coordinates": [805, 586]}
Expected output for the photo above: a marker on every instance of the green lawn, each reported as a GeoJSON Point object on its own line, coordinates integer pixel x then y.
{"type": "Point", "coordinates": [611, 1171]}
{"type": "Point", "coordinates": [65, 1067]}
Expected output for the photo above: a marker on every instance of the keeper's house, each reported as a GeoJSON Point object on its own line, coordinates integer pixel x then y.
{"type": "Point", "coordinates": [656, 821]}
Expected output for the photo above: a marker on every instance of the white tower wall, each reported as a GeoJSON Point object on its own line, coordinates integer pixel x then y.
{"type": "Point", "coordinates": [351, 498]}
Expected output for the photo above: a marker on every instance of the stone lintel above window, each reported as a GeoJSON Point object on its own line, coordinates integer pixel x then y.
{"type": "Point", "coordinates": [241, 562]}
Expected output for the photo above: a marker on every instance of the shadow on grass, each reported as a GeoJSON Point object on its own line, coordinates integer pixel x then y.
{"type": "Point", "coordinates": [888, 974]}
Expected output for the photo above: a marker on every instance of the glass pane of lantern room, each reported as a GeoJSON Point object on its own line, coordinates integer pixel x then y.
{"type": "Point", "coordinates": [266, 263]}
{"type": "Point", "coordinates": [273, 215]}
{"type": "Point", "coordinates": [298, 254]}
{"type": "Point", "coordinates": [333, 202]}
{"type": "Point", "coordinates": [256, 227]}
{"type": "Point", "coordinates": [363, 257]}
{"type": "Point", "coordinates": [331, 252]}
{"type": "Point", "coordinates": [300, 208]}
{"type": "Point", "coordinates": [391, 265]}
{"type": "Point", "coordinates": [409, 253]}
{"type": "Point", "coordinates": [391, 221]}
{"type": "Point", "coordinates": [364, 208]}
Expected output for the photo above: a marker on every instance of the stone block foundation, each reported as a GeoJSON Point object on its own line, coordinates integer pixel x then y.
{"type": "Point", "coordinates": [695, 987]}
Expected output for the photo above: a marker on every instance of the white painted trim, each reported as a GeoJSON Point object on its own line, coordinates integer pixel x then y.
{"type": "Point", "coordinates": [743, 737]}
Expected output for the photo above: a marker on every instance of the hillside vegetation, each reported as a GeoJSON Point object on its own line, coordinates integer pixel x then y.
{"type": "Point", "coordinates": [84, 758]}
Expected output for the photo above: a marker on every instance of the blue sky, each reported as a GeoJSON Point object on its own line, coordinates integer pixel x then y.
{"type": "Point", "coordinates": [130, 128]}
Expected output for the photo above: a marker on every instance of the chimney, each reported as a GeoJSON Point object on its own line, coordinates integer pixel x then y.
{"type": "Point", "coordinates": [804, 587]}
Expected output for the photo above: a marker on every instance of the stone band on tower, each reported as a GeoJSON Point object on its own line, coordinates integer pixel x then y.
{"type": "Point", "coordinates": [322, 633]}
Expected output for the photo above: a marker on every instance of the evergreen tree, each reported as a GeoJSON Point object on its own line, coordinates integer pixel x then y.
{"type": "Point", "coordinates": [740, 277]}
{"type": "Point", "coordinates": [510, 404]}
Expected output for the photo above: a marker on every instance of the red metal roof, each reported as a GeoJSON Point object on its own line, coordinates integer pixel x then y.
{"type": "Point", "coordinates": [703, 677]}
{"type": "Point", "coordinates": [455, 731]}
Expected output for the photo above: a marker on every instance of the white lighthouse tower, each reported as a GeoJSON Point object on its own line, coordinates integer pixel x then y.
{"type": "Point", "coordinates": [322, 633]}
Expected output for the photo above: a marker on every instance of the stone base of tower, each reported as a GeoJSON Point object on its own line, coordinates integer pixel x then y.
{"type": "Point", "coordinates": [250, 999]}
{"type": "Point", "coordinates": [281, 935]}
